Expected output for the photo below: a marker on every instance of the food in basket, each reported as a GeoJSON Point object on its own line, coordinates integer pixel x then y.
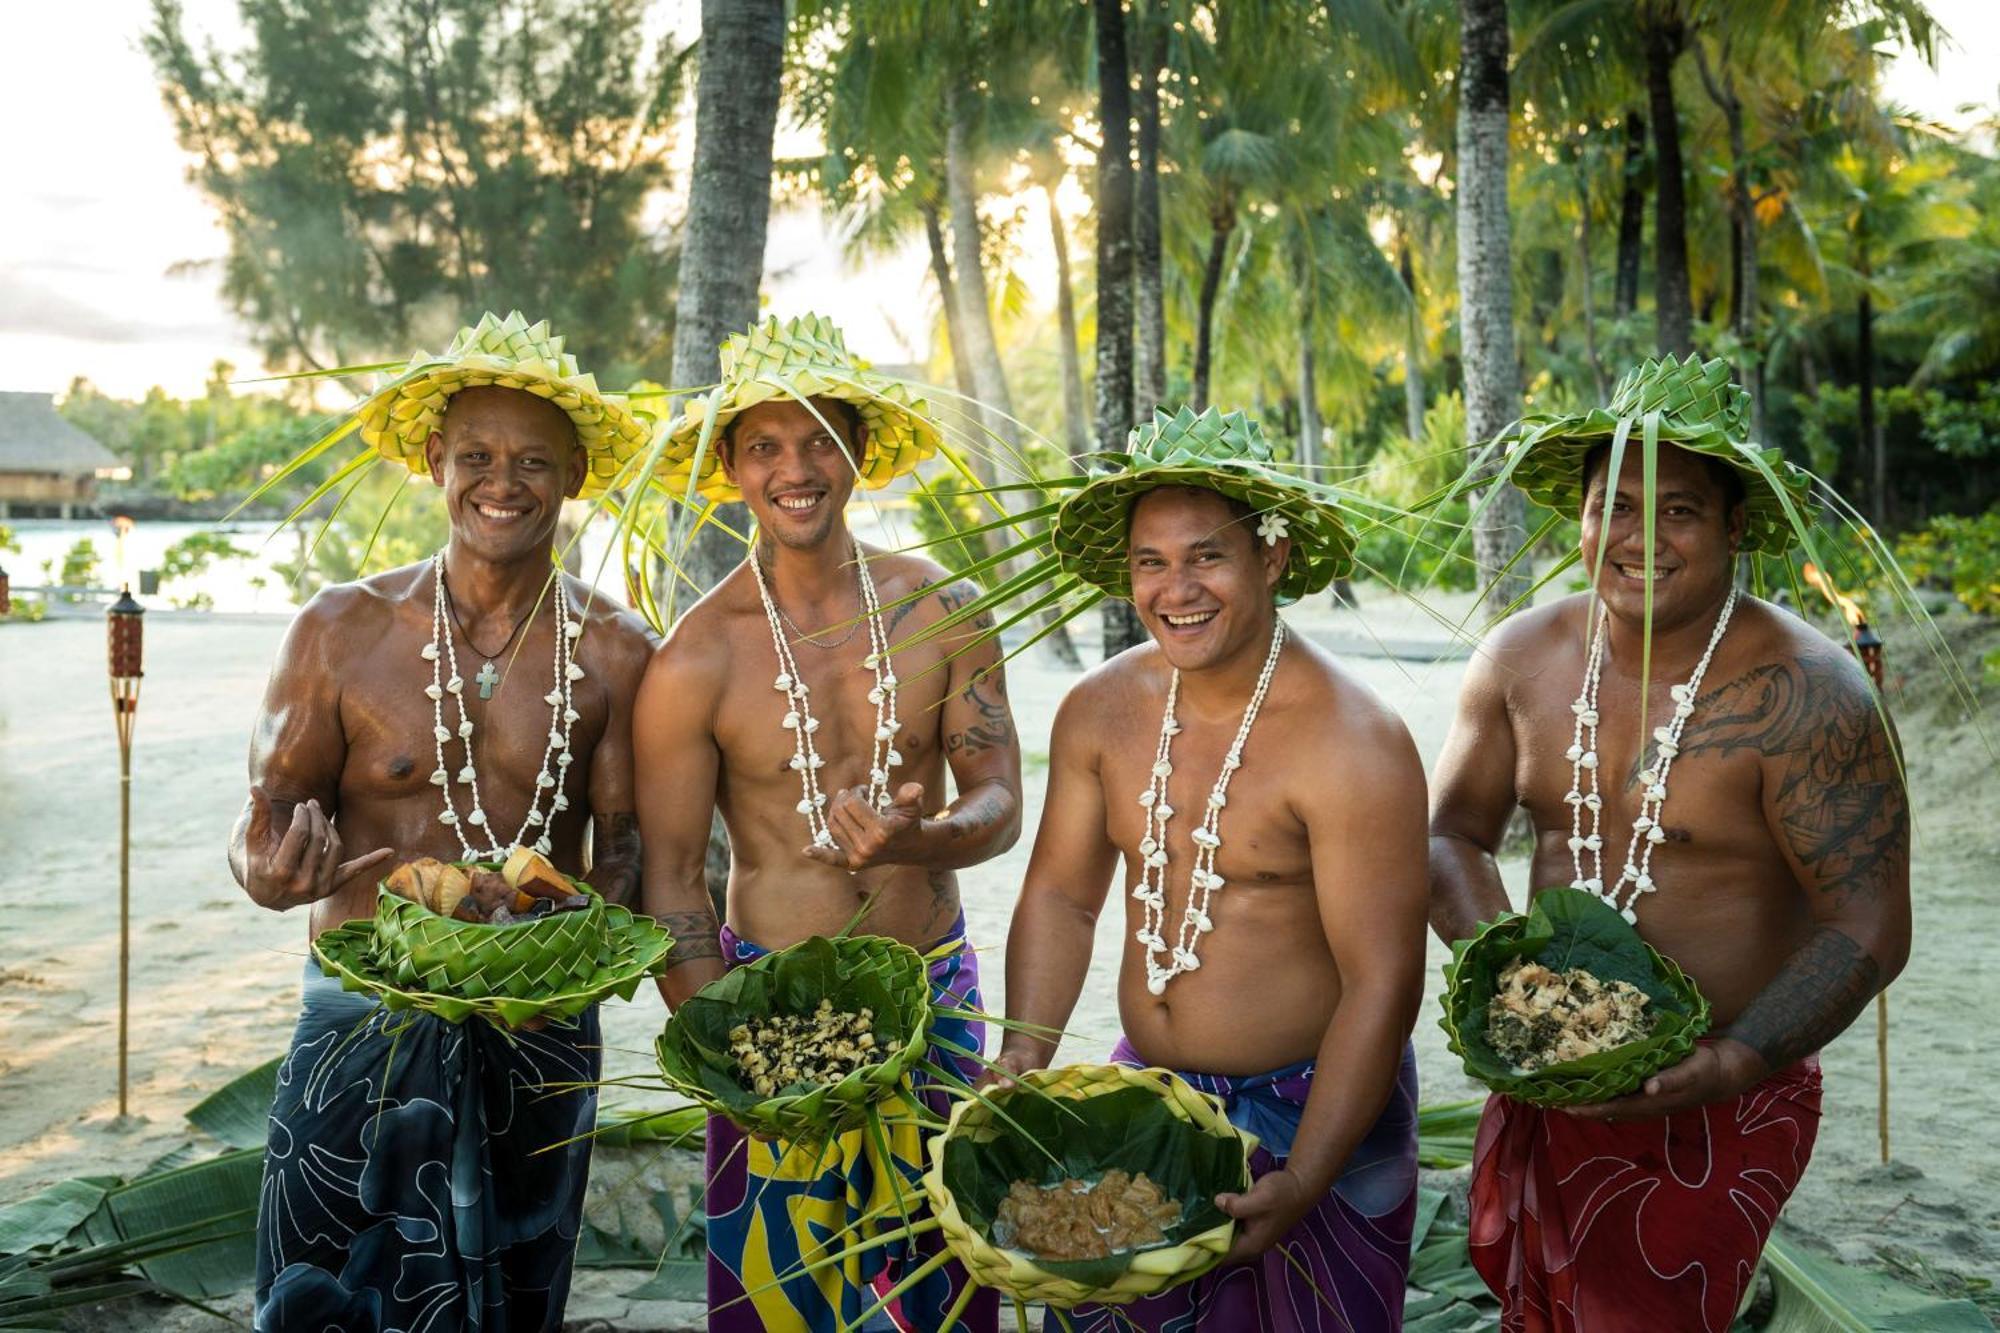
{"type": "Point", "coordinates": [1080, 1219]}
{"type": "Point", "coordinates": [779, 1051]}
{"type": "Point", "coordinates": [527, 887]}
{"type": "Point", "coordinates": [1540, 1017]}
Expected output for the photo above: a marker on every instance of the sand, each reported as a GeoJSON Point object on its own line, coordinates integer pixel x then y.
{"type": "Point", "coordinates": [214, 978]}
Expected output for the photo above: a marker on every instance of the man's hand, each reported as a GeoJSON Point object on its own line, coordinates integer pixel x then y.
{"type": "Point", "coordinates": [1715, 1072]}
{"type": "Point", "coordinates": [1271, 1207]}
{"type": "Point", "coordinates": [1010, 1064]}
{"type": "Point", "coordinates": [301, 865]}
{"type": "Point", "coordinates": [864, 836]}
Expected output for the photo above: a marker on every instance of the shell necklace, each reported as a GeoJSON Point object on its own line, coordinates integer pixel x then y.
{"type": "Point", "coordinates": [1151, 890]}
{"type": "Point", "coordinates": [442, 654]}
{"type": "Point", "coordinates": [1586, 837]}
{"type": "Point", "coordinates": [798, 719]}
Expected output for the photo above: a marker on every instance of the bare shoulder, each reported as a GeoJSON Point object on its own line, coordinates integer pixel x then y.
{"type": "Point", "coordinates": [346, 621]}
{"type": "Point", "coordinates": [907, 579]}
{"type": "Point", "coordinates": [696, 652]}
{"type": "Point", "coordinates": [620, 641]}
{"type": "Point", "coordinates": [1106, 698]}
{"type": "Point", "coordinates": [1318, 698]}
{"type": "Point", "coordinates": [1518, 647]}
{"type": "Point", "coordinates": [1783, 660]}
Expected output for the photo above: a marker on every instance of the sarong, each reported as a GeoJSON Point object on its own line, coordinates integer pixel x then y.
{"type": "Point", "coordinates": [772, 1206]}
{"type": "Point", "coordinates": [404, 1187]}
{"type": "Point", "coordinates": [1342, 1269]}
{"type": "Point", "coordinates": [1583, 1227]}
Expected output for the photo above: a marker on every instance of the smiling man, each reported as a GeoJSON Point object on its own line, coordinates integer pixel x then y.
{"type": "Point", "coordinates": [1775, 872]}
{"type": "Point", "coordinates": [793, 699]}
{"type": "Point", "coordinates": [1268, 812]}
{"type": "Point", "coordinates": [419, 1175]}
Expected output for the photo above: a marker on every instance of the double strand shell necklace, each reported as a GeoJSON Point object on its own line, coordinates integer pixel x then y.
{"type": "Point", "coordinates": [1586, 837]}
{"type": "Point", "coordinates": [442, 654]}
{"type": "Point", "coordinates": [1203, 881]}
{"type": "Point", "coordinates": [798, 719]}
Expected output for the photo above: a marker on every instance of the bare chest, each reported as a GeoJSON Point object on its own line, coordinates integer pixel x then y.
{"type": "Point", "coordinates": [1261, 838]}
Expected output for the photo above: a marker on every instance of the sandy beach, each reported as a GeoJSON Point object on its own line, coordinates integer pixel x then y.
{"type": "Point", "coordinates": [214, 979]}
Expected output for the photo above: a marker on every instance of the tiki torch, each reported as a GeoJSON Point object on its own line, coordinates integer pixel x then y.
{"type": "Point", "coordinates": [1868, 648]}
{"type": "Point", "coordinates": [127, 636]}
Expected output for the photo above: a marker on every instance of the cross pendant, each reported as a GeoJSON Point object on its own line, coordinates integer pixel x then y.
{"type": "Point", "coordinates": [486, 680]}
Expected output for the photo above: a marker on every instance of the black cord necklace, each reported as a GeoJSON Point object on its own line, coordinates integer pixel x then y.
{"type": "Point", "coordinates": [487, 677]}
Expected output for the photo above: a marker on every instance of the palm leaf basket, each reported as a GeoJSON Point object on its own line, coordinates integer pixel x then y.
{"type": "Point", "coordinates": [554, 966]}
{"type": "Point", "coordinates": [1079, 1122]}
{"type": "Point", "coordinates": [1568, 928]}
{"type": "Point", "coordinates": [854, 972]}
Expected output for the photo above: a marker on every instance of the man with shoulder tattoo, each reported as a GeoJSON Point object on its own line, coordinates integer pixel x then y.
{"type": "Point", "coordinates": [424, 1174]}
{"type": "Point", "coordinates": [803, 698]}
{"type": "Point", "coordinates": [1776, 873]}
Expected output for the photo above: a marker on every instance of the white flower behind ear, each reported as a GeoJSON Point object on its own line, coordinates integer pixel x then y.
{"type": "Point", "coordinates": [1273, 526]}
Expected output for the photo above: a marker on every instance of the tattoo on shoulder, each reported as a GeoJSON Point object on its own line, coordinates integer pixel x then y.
{"type": "Point", "coordinates": [901, 613]}
{"type": "Point", "coordinates": [993, 726]}
{"type": "Point", "coordinates": [696, 935]}
{"type": "Point", "coordinates": [1811, 1001]}
{"type": "Point", "coordinates": [1840, 798]}
{"type": "Point", "coordinates": [961, 594]}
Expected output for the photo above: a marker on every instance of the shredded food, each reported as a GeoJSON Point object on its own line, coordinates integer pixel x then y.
{"type": "Point", "coordinates": [1076, 1219]}
{"type": "Point", "coordinates": [1540, 1017]}
{"type": "Point", "coordinates": [780, 1050]}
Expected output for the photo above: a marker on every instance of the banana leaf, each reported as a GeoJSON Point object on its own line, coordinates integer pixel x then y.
{"type": "Point", "coordinates": [218, 1196]}
{"type": "Point", "coordinates": [239, 1112]}
{"type": "Point", "coordinates": [1821, 1295]}
{"type": "Point", "coordinates": [43, 1219]}
{"type": "Point", "coordinates": [1445, 1133]}
{"type": "Point", "coordinates": [1568, 928]}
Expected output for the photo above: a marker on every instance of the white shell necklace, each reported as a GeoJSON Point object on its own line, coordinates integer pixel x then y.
{"type": "Point", "coordinates": [798, 719]}
{"type": "Point", "coordinates": [1151, 890]}
{"type": "Point", "coordinates": [1586, 836]}
{"type": "Point", "coordinates": [442, 654]}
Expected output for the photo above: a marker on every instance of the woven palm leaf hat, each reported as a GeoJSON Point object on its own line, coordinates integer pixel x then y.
{"type": "Point", "coordinates": [1224, 452]}
{"type": "Point", "coordinates": [398, 420]}
{"type": "Point", "coordinates": [1695, 406]}
{"type": "Point", "coordinates": [801, 358]}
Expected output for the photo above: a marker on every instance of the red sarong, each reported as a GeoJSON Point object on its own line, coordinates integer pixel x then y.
{"type": "Point", "coordinates": [1583, 1227]}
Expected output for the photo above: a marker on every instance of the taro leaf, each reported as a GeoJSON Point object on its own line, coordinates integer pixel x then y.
{"type": "Point", "coordinates": [239, 1112]}
{"type": "Point", "coordinates": [1589, 933]}
{"type": "Point", "coordinates": [1132, 1129]}
{"type": "Point", "coordinates": [45, 1218]}
{"type": "Point", "coordinates": [1820, 1295]}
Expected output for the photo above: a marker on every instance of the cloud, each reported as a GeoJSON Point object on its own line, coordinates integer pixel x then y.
{"type": "Point", "coordinates": [28, 306]}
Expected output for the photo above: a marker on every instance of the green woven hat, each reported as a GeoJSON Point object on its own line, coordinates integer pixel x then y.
{"type": "Point", "coordinates": [1698, 408]}
{"type": "Point", "coordinates": [1216, 451]}
{"type": "Point", "coordinates": [400, 418]}
{"type": "Point", "coordinates": [802, 358]}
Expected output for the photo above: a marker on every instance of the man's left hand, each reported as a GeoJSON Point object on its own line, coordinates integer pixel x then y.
{"type": "Point", "coordinates": [1271, 1207]}
{"type": "Point", "coordinates": [1715, 1072]}
{"type": "Point", "coordinates": [864, 836]}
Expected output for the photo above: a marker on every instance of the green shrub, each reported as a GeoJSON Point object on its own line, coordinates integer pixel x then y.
{"type": "Point", "coordinates": [1962, 554]}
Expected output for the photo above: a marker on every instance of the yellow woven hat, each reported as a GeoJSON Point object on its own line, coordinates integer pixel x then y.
{"type": "Point", "coordinates": [799, 359]}
{"type": "Point", "coordinates": [399, 419]}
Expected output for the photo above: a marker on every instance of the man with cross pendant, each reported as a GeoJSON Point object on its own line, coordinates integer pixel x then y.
{"type": "Point", "coordinates": [486, 680]}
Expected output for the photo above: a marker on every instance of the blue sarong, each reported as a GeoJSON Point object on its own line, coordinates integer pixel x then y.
{"type": "Point", "coordinates": [404, 1187]}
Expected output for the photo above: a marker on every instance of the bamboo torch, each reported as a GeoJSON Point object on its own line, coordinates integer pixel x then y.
{"type": "Point", "coordinates": [127, 640]}
{"type": "Point", "coordinates": [1868, 648]}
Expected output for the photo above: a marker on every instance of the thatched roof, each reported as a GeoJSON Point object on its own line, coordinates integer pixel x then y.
{"type": "Point", "coordinates": [34, 437]}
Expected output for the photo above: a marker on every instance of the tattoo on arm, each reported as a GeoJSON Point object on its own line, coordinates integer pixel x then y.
{"type": "Point", "coordinates": [994, 728]}
{"type": "Point", "coordinates": [1815, 995]}
{"type": "Point", "coordinates": [696, 935]}
{"type": "Point", "coordinates": [978, 814]}
{"type": "Point", "coordinates": [897, 616]}
{"type": "Point", "coordinates": [614, 857]}
{"type": "Point", "coordinates": [1839, 798]}
{"type": "Point", "coordinates": [960, 594]}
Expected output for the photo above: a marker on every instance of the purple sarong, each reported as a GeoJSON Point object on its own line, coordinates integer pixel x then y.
{"type": "Point", "coordinates": [771, 1208]}
{"type": "Point", "coordinates": [1354, 1246]}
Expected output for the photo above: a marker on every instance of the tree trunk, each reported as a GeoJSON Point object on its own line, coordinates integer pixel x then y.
{"type": "Point", "coordinates": [1149, 370]}
{"type": "Point", "coordinates": [1222, 225]}
{"type": "Point", "coordinates": [1485, 279]}
{"type": "Point", "coordinates": [1673, 304]}
{"type": "Point", "coordinates": [1308, 395]}
{"type": "Point", "coordinates": [1414, 401]}
{"type": "Point", "coordinates": [975, 317]}
{"type": "Point", "coordinates": [1076, 429]}
{"type": "Point", "coordinates": [1631, 218]}
{"type": "Point", "coordinates": [961, 369]}
{"type": "Point", "coordinates": [722, 253]}
{"type": "Point", "coordinates": [1866, 428]}
{"type": "Point", "coordinates": [1588, 281]}
{"type": "Point", "coordinates": [1114, 271]}
{"type": "Point", "coordinates": [1743, 305]}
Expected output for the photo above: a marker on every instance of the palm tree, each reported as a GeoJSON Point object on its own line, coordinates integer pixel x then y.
{"type": "Point", "coordinates": [1114, 270]}
{"type": "Point", "coordinates": [1149, 372]}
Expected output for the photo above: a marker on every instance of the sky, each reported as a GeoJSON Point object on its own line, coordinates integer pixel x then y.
{"type": "Point", "coordinates": [109, 258]}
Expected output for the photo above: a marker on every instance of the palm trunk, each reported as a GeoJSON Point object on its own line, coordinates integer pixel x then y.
{"type": "Point", "coordinates": [1631, 218]}
{"type": "Point", "coordinates": [1114, 271]}
{"type": "Point", "coordinates": [1149, 371]}
{"type": "Point", "coordinates": [1222, 224]}
{"type": "Point", "coordinates": [1588, 281]}
{"type": "Point", "coordinates": [975, 318]}
{"type": "Point", "coordinates": [1414, 401]}
{"type": "Point", "coordinates": [1076, 430]}
{"type": "Point", "coordinates": [1673, 304]}
{"type": "Point", "coordinates": [1308, 395]}
{"type": "Point", "coordinates": [1485, 278]}
{"type": "Point", "coordinates": [961, 369]}
{"type": "Point", "coordinates": [1743, 312]}
{"type": "Point", "coordinates": [1870, 433]}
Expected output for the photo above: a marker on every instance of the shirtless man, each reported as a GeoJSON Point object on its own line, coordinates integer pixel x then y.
{"type": "Point", "coordinates": [1781, 886]}
{"type": "Point", "coordinates": [710, 734]}
{"type": "Point", "coordinates": [1315, 956]}
{"type": "Point", "coordinates": [417, 1193]}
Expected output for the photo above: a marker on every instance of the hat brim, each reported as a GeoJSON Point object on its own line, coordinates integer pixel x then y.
{"type": "Point", "coordinates": [1546, 457]}
{"type": "Point", "coordinates": [399, 420]}
{"type": "Point", "coordinates": [901, 436]}
{"type": "Point", "coordinates": [1091, 531]}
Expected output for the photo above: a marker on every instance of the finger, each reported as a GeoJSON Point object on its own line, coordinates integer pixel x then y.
{"type": "Point", "coordinates": [1678, 1078]}
{"type": "Point", "coordinates": [285, 863]}
{"type": "Point", "coordinates": [851, 826]}
{"type": "Point", "coordinates": [331, 851]}
{"type": "Point", "coordinates": [349, 869]}
{"type": "Point", "coordinates": [319, 833]}
{"type": "Point", "coordinates": [260, 813]}
{"type": "Point", "coordinates": [827, 856]}
{"type": "Point", "coordinates": [911, 796]}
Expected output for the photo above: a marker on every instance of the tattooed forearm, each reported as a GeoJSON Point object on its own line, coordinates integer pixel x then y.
{"type": "Point", "coordinates": [994, 726]}
{"type": "Point", "coordinates": [1815, 995]}
{"type": "Point", "coordinates": [614, 857]}
{"type": "Point", "coordinates": [696, 935]}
